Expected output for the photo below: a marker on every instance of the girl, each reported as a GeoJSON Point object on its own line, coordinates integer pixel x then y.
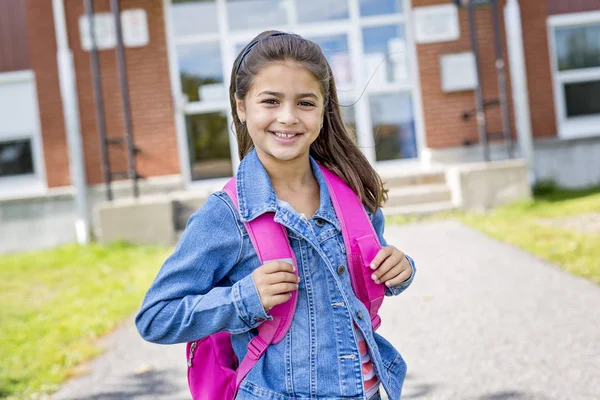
{"type": "Point", "coordinates": [287, 118]}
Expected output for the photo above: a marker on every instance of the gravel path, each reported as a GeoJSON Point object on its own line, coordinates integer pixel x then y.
{"type": "Point", "coordinates": [483, 321]}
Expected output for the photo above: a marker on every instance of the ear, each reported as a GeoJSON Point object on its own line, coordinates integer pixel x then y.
{"type": "Point", "coordinates": [241, 109]}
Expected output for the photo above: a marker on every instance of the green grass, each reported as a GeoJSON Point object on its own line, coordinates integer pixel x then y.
{"type": "Point", "coordinates": [521, 224]}
{"type": "Point", "coordinates": [54, 305]}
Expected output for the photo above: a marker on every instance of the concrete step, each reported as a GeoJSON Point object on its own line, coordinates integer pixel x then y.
{"type": "Point", "coordinates": [183, 208]}
{"type": "Point", "coordinates": [414, 178]}
{"type": "Point", "coordinates": [418, 194]}
{"type": "Point", "coordinates": [420, 210]}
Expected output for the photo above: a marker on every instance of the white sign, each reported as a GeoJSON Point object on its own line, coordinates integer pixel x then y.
{"type": "Point", "coordinates": [459, 72]}
{"type": "Point", "coordinates": [104, 31]}
{"type": "Point", "coordinates": [436, 23]}
{"type": "Point", "coordinates": [135, 30]}
{"type": "Point", "coordinates": [135, 27]}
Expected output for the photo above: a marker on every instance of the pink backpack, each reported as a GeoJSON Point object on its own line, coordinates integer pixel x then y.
{"type": "Point", "coordinates": [213, 369]}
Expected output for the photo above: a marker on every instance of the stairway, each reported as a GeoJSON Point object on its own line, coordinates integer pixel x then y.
{"type": "Point", "coordinates": [417, 194]}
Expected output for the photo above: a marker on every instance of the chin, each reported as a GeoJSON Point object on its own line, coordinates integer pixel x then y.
{"type": "Point", "coordinates": [286, 154]}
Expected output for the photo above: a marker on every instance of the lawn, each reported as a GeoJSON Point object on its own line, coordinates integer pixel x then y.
{"type": "Point", "coordinates": [534, 226]}
{"type": "Point", "coordinates": [54, 305]}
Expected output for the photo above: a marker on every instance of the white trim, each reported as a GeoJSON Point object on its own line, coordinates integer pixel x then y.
{"type": "Point", "coordinates": [581, 18]}
{"type": "Point", "coordinates": [379, 20]}
{"type": "Point", "coordinates": [194, 39]}
{"type": "Point", "coordinates": [35, 182]}
{"type": "Point", "coordinates": [390, 87]}
{"type": "Point", "coordinates": [574, 127]}
{"type": "Point", "coordinates": [414, 74]}
{"type": "Point", "coordinates": [364, 122]}
{"type": "Point", "coordinates": [39, 164]}
{"type": "Point", "coordinates": [201, 107]}
{"type": "Point", "coordinates": [581, 75]}
{"type": "Point", "coordinates": [177, 96]}
{"type": "Point", "coordinates": [16, 76]}
{"type": "Point", "coordinates": [227, 59]}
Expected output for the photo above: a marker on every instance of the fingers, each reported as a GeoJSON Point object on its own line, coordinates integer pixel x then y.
{"type": "Point", "coordinates": [281, 277]}
{"type": "Point", "coordinates": [402, 277]}
{"type": "Point", "coordinates": [278, 299]}
{"type": "Point", "coordinates": [382, 273]}
{"type": "Point", "coordinates": [277, 266]}
{"type": "Point", "coordinates": [381, 256]}
{"type": "Point", "coordinates": [275, 281]}
{"type": "Point", "coordinates": [392, 267]}
{"type": "Point", "coordinates": [281, 288]}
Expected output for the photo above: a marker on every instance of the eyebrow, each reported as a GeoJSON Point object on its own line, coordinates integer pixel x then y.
{"type": "Point", "coordinates": [277, 94]}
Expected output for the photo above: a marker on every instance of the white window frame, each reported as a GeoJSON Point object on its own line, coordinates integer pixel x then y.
{"type": "Point", "coordinates": [573, 127]}
{"type": "Point", "coordinates": [351, 27]}
{"type": "Point", "coordinates": [29, 184]}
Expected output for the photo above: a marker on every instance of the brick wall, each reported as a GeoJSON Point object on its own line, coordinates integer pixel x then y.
{"type": "Point", "coordinates": [14, 55]}
{"type": "Point", "coordinates": [534, 16]}
{"type": "Point", "coordinates": [149, 88]}
{"type": "Point", "coordinates": [571, 6]}
{"type": "Point", "coordinates": [443, 125]}
{"type": "Point", "coordinates": [42, 51]}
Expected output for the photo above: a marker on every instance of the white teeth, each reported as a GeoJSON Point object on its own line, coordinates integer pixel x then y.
{"type": "Point", "coordinates": [283, 135]}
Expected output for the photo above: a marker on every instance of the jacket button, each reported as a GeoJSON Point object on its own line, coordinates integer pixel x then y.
{"type": "Point", "coordinates": [319, 222]}
{"type": "Point", "coordinates": [360, 315]}
{"type": "Point", "coordinates": [341, 269]}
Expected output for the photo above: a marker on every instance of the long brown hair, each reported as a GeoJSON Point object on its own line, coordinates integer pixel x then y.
{"type": "Point", "coordinates": [334, 147]}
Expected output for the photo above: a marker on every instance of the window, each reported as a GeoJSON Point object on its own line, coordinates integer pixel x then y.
{"type": "Point", "coordinates": [393, 126]}
{"type": "Point", "coordinates": [257, 14]}
{"type": "Point", "coordinates": [379, 7]}
{"type": "Point", "coordinates": [208, 145]}
{"type": "Point", "coordinates": [576, 59]}
{"type": "Point", "coordinates": [16, 158]}
{"type": "Point", "coordinates": [194, 17]}
{"type": "Point", "coordinates": [385, 58]}
{"type": "Point", "coordinates": [201, 72]}
{"type": "Point", "coordinates": [335, 49]}
{"type": "Point", "coordinates": [20, 147]}
{"type": "Point", "coordinates": [365, 42]}
{"type": "Point", "coordinates": [321, 10]}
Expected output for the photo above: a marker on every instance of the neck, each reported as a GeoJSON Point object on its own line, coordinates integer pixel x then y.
{"type": "Point", "coordinates": [293, 174]}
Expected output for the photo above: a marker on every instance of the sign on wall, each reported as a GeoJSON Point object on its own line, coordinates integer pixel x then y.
{"type": "Point", "coordinates": [436, 23]}
{"type": "Point", "coordinates": [133, 21]}
{"type": "Point", "coordinates": [459, 72]}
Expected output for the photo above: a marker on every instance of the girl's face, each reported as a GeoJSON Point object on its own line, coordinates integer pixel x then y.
{"type": "Point", "coordinates": [283, 111]}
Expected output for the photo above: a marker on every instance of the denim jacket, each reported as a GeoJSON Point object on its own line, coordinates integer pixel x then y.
{"type": "Point", "coordinates": [206, 287]}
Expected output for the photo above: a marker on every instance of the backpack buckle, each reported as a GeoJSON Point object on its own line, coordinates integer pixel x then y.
{"type": "Point", "coordinates": [257, 347]}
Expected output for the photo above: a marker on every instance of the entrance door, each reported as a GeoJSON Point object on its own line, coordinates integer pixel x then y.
{"type": "Point", "coordinates": [365, 42]}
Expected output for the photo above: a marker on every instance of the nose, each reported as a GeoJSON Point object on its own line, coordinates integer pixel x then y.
{"type": "Point", "coordinates": [287, 115]}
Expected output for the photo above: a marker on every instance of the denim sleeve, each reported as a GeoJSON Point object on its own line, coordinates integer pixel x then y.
{"type": "Point", "coordinates": [378, 221]}
{"type": "Point", "coordinates": [185, 302]}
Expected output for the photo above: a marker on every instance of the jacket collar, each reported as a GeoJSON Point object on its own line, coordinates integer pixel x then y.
{"type": "Point", "coordinates": [256, 195]}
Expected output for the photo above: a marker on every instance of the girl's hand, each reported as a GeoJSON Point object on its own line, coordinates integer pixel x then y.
{"type": "Point", "coordinates": [275, 281]}
{"type": "Point", "coordinates": [391, 267]}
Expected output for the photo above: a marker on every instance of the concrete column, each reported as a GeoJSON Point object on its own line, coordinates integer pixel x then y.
{"type": "Point", "coordinates": [68, 92]}
{"type": "Point", "coordinates": [518, 74]}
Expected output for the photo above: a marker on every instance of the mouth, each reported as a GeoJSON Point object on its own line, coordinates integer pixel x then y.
{"type": "Point", "coordinates": [285, 135]}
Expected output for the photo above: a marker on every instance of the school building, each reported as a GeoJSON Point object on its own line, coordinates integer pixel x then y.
{"type": "Point", "coordinates": [405, 70]}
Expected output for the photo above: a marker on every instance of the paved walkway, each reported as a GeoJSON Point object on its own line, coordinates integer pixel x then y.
{"type": "Point", "coordinates": [483, 321]}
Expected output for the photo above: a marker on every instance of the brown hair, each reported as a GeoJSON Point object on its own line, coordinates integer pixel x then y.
{"type": "Point", "coordinates": [334, 147]}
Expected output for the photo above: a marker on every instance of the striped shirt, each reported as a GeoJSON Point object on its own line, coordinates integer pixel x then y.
{"type": "Point", "coordinates": [370, 379]}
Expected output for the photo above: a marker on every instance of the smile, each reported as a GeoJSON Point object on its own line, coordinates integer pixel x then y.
{"type": "Point", "coordinates": [285, 135]}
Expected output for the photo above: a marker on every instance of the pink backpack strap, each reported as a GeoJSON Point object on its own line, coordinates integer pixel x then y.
{"type": "Point", "coordinates": [362, 243]}
{"type": "Point", "coordinates": [271, 243]}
